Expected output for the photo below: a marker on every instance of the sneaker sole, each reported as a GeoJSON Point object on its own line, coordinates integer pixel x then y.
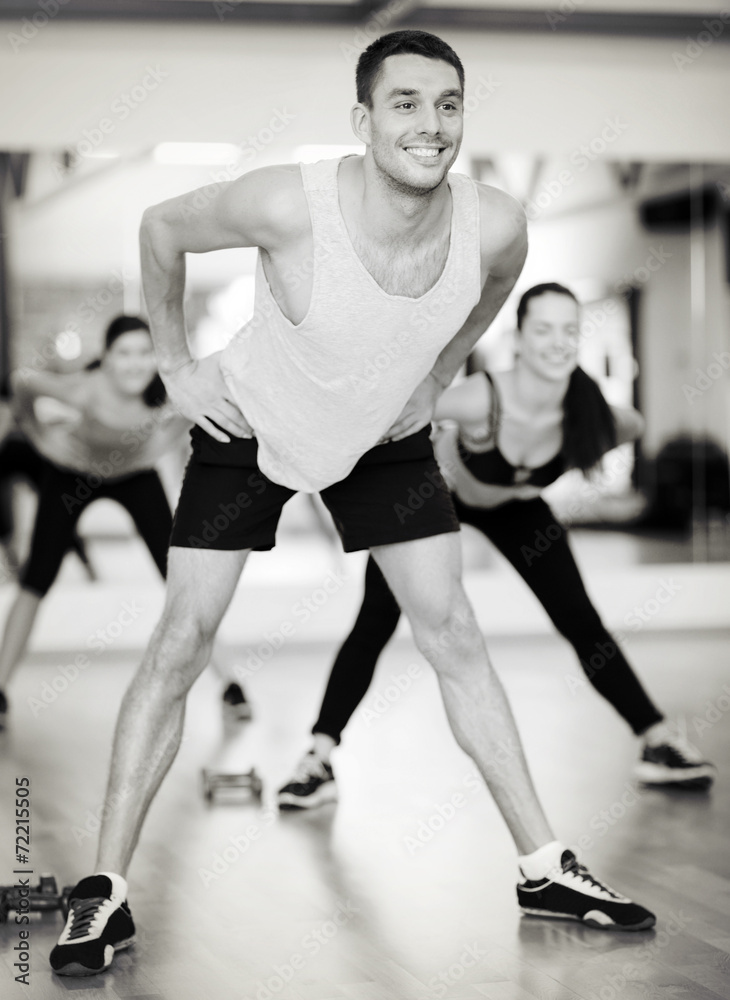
{"type": "Point", "coordinates": [645, 924]}
{"type": "Point", "coordinates": [654, 774]}
{"type": "Point", "coordinates": [292, 803]}
{"type": "Point", "coordinates": [76, 969]}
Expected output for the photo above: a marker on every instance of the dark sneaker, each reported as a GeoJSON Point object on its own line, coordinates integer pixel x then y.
{"type": "Point", "coordinates": [3, 710]}
{"type": "Point", "coordinates": [98, 924]}
{"type": "Point", "coordinates": [312, 784]}
{"type": "Point", "coordinates": [234, 701]}
{"type": "Point", "coordinates": [574, 894]}
{"type": "Point", "coordinates": [674, 762]}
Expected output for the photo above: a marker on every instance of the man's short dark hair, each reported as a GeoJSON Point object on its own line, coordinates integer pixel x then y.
{"type": "Point", "coordinates": [406, 42]}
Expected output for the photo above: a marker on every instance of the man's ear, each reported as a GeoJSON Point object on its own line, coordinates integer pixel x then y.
{"type": "Point", "coordinates": [360, 122]}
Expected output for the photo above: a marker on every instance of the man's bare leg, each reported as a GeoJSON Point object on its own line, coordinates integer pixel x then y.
{"type": "Point", "coordinates": [200, 585]}
{"type": "Point", "coordinates": [425, 577]}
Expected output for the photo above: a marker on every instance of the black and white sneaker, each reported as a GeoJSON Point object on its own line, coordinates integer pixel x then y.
{"type": "Point", "coordinates": [312, 784]}
{"type": "Point", "coordinates": [572, 893]}
{"type": "Point", "coordinates": [674, 762]}
{"type": "Point", "coordinates": [98, 924]}
{"type": "Point", "coordinates": [234, 702]}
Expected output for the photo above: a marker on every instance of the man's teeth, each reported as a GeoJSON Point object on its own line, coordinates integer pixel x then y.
{"type": "Point", "coordinates": [423, 150]}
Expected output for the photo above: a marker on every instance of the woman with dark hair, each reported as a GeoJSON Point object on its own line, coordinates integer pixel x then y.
{"type": "Point", "coordinates": [510, 435]}
{"type": "Point", "coordinates": [117, 424]}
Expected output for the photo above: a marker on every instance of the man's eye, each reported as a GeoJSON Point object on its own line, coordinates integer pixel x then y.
{"type": "Point", "coordinates": [407, 104]}
{"type": "Point", "coordinates": [449, 106]}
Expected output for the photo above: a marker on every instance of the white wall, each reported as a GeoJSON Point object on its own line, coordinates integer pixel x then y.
{"type": "Point", "coordinates": [223, 81]}
{"type": "Point", "coordinates": [550, 95]}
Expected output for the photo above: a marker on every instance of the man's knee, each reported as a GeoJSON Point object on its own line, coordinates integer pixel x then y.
{"type": "Point", "coordinates": [446, 632]}
{"type": "Point", "coordinates": [185, 634]}
{"type": "Point", "coordinates": [178, 651]}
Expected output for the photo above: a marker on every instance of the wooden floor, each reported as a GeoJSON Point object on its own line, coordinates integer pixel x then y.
{"type": "Point", "coordinates": [341, 903]}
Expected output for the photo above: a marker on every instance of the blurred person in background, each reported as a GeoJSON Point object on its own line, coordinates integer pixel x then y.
{"type": "Point", "coordinates": [507, 436]}
{"type": "Point", "coordinates": [117, 426]}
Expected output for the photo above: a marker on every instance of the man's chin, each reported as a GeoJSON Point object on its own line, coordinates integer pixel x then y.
{"type": "Point", "coordinates": [419, 183]}
{"type": "Point", "coordinates": [412, 178]}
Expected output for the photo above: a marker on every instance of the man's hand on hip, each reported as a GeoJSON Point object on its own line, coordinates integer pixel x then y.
{"type": "Point", "coordinates": [199, 392]}
{"type": "Point", "coordinates": [418, 411]}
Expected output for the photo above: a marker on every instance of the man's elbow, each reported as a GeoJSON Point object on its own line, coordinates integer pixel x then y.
{"type": "Point", "coordinates": [155, 226]}
{"type": "Point", "coordinates": [150, 218]}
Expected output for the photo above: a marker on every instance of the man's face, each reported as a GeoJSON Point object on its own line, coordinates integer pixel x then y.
{"type": "Point", "coordinates": [416, 121]}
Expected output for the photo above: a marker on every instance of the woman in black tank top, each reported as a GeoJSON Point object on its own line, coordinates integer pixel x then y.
{"type": "Point", "coordinates": [511, 434]}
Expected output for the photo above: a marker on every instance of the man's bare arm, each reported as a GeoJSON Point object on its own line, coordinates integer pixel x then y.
{"type": "Point", "coordinates": [503, 263]}
{"type": "Point", "coordinates": [255, 210]}
{"type": "Point", "coordinates": [501, 279]}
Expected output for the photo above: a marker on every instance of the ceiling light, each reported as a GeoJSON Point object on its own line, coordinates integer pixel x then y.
{"type": "Point", "coordinates": [310, 154]}
{"type": "Point", "coordinates": [196, 154]}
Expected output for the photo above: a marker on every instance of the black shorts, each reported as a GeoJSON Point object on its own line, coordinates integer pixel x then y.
{"type": "Point", "coordinates": [395, 493]}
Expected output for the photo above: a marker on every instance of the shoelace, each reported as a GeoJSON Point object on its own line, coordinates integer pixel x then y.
{"type": "Point", "coordinates": [83, 912]}
{"type": "Point", "coordinates": [582, 873]}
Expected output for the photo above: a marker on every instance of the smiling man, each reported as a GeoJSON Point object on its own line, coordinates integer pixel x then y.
{"type": "Point", "coordinates": [407, 268]}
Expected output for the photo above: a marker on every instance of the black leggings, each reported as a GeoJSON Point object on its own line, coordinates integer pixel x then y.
{"type": "Point", "coordinates": [64, 495]}
{"type": "Point", "coordinates": [20, 460]}
{"type": "Point", "coordinates": [528, 535]}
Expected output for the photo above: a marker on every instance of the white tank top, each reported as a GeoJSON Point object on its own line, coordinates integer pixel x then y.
{"type": "Point", "coordinates": [321, 393]}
